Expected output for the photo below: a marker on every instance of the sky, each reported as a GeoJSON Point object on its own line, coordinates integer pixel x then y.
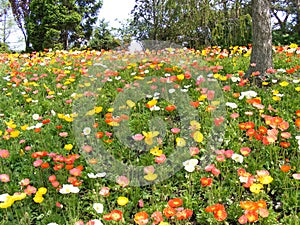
{"type": "Point", "coordinates": [113, 11]}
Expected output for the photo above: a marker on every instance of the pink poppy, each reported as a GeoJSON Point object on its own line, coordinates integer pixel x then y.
{"type": "Point", "coordinates": [285, 135]}
{"type": "Point", "coordinates": [138, 137]}
{"type": "Point", "coordinates": [194, 151]}
{"type": "Point", "coordinates": [4, 178]}
{"type": "Point", "coordinates": [160, 159]}
{"type": "Point", "coordinates": [122, 181]}
{"type": "Point", "coordinates": [4, 153]}
{"type": "Point", "coordinates": [296, 176]}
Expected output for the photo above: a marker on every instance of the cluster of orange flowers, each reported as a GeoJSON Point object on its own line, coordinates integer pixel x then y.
{"type": "Point", "coordinates": [218, 210]}
{"type": "Point", "coordinates": [252, 211]}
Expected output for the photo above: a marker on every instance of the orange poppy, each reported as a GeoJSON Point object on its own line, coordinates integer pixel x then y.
{"type": "Point", "coordinates": [249, 205]}
{"type": "Point", "coordinates": [195, 104]}
{"type": "Point", "coordinates": [298, 113]}
{"type": "Point", "coordinates": [205, 181]}
{"type": "Point", "coordinates": [169, 212]}
{"type": "Point", "coordinates": [220, 215]}
{"type": "Point", "coordinates": [175, 202]}
{"type": "Point", "coordinates": [170, 108]}
{"type": "Point", "coordinates": [285, 144]}
{"type": "Point", "coordinates": [141, 218]}
{"type": "Point", "coordinates": [261, 204]}
{"type": "Point", "coordinates": [99, 134]}
{"type": "Point", "coordinates": [262, 130]}
{"type": "Point", "coordinates": [252, 216]}
{"type": "Point", "coordinates": [45, 165]}
{"type": "Point", "coordinates": [285, 168]}
{"type": "Point", "coordinates": [115, 215]}
{"type": "Point", "coordinates": [297, 122]}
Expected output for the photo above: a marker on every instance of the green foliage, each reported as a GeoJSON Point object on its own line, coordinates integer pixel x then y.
{"type": "Point", "coordinates": [103, 38]}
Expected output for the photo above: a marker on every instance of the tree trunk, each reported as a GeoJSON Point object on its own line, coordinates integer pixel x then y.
{"type": "Point", "coordinates": [261, 55]}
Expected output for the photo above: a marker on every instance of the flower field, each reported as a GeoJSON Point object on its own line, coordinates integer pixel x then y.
{"type": "Point", "coordinates": [175, 136]}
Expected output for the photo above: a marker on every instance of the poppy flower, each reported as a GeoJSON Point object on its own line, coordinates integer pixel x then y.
{"type": "Point", "coordinates": [206, 181]}
{"type": "Point", "coordinates": [170, 108]}
{"type": "Point", "coordinates": [115, 215]}
{"type": "Point", "coordinates": [285, 144]}
{"type": "Point", "coordinates": [175, 202]}
{"type": "Point", "coordinates": [285, 168]}
{"type": "Point", "coordinates": [169, 212]}
{"type": "Point", "coordinates": [141, 218]}
{"type": "Point", "coordinates": [252, 216]}
{"type": "Point", "coordinates": [297, 122]}
{"type": "Point", "coordinates": [184, 214]}
{"type": "Point", "coordinates": [220, 215]}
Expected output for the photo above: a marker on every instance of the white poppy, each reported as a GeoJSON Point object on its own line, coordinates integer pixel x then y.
{"type": "Point", "coordinates": [190, 164]}
{"type": "Point", "coordinates": [98, 207]}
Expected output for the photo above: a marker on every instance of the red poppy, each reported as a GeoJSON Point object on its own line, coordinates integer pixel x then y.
{"type": "Point", "coordinates": [58, 127]}
{"type": "Point", "coordinates": [206, 181]}
{"type": "Point", "coordinates": [175, 202]}
{"type": "Point", "coordinates": [46, 121]}
{"type": "Point", "coordinates": [169, 212]}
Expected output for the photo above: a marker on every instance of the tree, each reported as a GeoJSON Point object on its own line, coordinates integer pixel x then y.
{"type": "Point", "coordinates": [103, 38]}
{"type": "Point", "coordinates": [6, 21]}
{"type": "Point", "coordinates": [20, 10]}
{"type": "Point", "coordinates": [88, 9]}
{"type": "Point", "coordinates": [261, 56]}
{"type": "Point", "coordinates": [51, 22]}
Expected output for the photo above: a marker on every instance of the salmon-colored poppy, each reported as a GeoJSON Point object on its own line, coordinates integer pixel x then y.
{"type": "Point", "coordinates": [184, 214]}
